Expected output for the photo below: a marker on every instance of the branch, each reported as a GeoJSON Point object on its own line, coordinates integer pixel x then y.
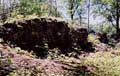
{"type": "Point", "coordinates": [75, 9]}
{"type": "Point", "coordinates": [112, 23]}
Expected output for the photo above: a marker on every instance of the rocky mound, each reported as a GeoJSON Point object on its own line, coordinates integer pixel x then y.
{"type": "Point", "coordinates": [33, 34]}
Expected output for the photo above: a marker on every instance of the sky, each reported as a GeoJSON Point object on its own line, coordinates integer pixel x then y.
{"type": "Point", "coordinates": [7, 2]}
{"type": "Point", "coordinates": [93, 21]}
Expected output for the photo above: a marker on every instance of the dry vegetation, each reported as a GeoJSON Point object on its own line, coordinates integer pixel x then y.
{"type": "Point", "coordinates": [103, 61]}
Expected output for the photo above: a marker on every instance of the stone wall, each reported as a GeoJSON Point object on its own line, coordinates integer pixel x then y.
{"type": "Point", "coordinates": [38, 32]}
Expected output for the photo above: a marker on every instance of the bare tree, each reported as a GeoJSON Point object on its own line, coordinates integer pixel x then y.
{"type": "Point", "coordinates": [88, 15]}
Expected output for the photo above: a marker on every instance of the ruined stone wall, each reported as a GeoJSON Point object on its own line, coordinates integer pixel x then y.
{"type": "Point", "coordinates": [30, 33]}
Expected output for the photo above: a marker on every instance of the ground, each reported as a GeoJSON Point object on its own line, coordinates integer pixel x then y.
{"type": "Point", "coordinates": [103, 60]}
{"type": "Point", "coordinates": [17, 62]}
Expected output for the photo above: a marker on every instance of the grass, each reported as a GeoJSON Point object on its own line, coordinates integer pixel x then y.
{"type": "Point", "coordinates": [103, 63]}
{"type": "Point", "coordinates": [92, 38]}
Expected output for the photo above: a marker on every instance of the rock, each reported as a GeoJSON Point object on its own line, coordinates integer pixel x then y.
{"type": "Point", "coordinates": [102, 47]}
{"type": "Point", "coordinates": [32, 34]}
{"type": "Point", "coordinates": [103, 38]}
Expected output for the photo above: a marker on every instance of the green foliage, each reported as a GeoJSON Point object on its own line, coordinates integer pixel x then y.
{"type": "Point", "coordinates": [93, 39]}
{"type": "Point", "coordinates": [106, 28]}
{"type": "Point", "coordinates": [25, 8]}
{"type": "Point", "coordinates": [74, 6]}
{"type": "Point", "coordinates": [40, 8]}
{"type": "Point", "coordinates": [109, 9]}
{"type": "Point", "coordinates": [30, 7]}
{"type": "Point", "coordinates": [104, 7]}
{"type": "Point", "coordinates": [103, 63]}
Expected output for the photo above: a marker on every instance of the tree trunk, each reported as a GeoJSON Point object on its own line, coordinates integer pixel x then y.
{"type": "Point", "coordinates": [80, 18]}
{"type": "Point", "coordinates": [56, 10]}
{"type": "Point", "coordinates": [117, 19]}
{"type": "Point", "coordinates": [72, 17]}
{"type": "Point", "coordinates": [88, 15]}
{"type": "Point", "coordinates": [71, 9]}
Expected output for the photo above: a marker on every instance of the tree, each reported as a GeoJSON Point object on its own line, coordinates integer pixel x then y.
{"type": "Point", "coordinates": [53, 8]}
{"type": "Point", "coordinates": [37, 7]}
{"type": "Point", "coordinates": [29, 7]}
{"type": "Point", "coordinates": [110, 9]}
{"type": "Point", "coordinates": [73, 6]}
{"type": "Point", "coordinates": [88, 15]}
